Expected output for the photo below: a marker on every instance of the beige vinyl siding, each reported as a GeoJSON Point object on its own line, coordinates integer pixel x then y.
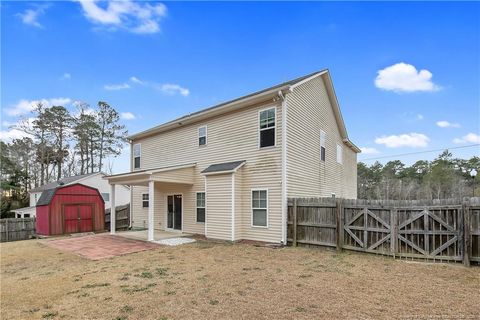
{"type": "Point", "coordinates": [309, 112]}
{"type": "Point", "coordinates": [140, 214]}
{"type": "Point", "coordinates": [219, 206]}
{"type": "Point", "coordinates": [184, 175]}
{"type": "Point", "coordinates": [231, 137]}
{"type": "Point", "coordinates": [162, 190]}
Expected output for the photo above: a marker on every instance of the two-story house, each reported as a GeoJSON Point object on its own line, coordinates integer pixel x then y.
{"type": "Point", "coordinates": [227, 171]}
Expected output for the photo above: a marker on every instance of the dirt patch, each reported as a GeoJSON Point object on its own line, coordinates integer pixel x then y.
{"type": "Point", "coordinates": [207, 280]}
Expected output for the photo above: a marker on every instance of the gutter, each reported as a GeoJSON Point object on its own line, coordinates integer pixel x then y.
{"type": "Point", "coordinates": [207, 113]}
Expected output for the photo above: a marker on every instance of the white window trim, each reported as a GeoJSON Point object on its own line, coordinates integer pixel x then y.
{"type": "Point", "coordinates": [275, 127]}
{"type": "Point", "coordinates": [339, 154]}
{"type": "Point", "coordinates": [143, 193]}
{"type": "Point", "coordinates": [196, 207]}
{"type": "Point", "coordinates": [324, 145]}
{"type": "Point", "coordinates": [199, 136]}
{"type": "Point", "coordinates": [133, 152]}
{"type": "Point", "coordinates": [251, 208]}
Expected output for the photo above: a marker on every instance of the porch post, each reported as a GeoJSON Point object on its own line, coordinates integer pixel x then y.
{"type": "Point", "coordinates": [151, 195]}
{"type": "Point", "coordinates": [113, 212]}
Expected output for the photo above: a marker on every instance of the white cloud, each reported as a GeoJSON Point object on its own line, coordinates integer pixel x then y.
{"type": "Point", "coordinates": [403, 77]}
{"type": "Point", "coordinates": [127, 116]}
{"type": "Point", "coordinates": [66, 76]}
{"type": "Point", "coordinates": [7, 123]}
{"type": "Point", "coordinates": [419, 116]}
{"type": "Point", "coordinates": [25, 106]}
{"type": "Point", "coordinates": [413, 140]}
{"type": "Point", "coordinates": [367, 150]}
{"type": "Point", "coordinates": [136, 80]}
{"type": "Point", "coordinates": [469, 138]}
{"type": "Point", "coordinates": [446, 124]}
{"type": "Point", "coordinates": [132, 16]}
{"type": "Point", "coordinates": [172, 89]}
{"type": "Point", "coordinates": [11, 134]}
{"type": "Point", "coordinates": [121, 86]}
{"type": "Point", "coordinates": [30, 16]}
{"type": "Point", "coordinates": [167, 88]}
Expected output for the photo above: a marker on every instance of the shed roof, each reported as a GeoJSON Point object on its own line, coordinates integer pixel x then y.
{"type": "Point", "coordinates": [223, 167]}
{"type": "Point", "coordinates": [48, 194]}
{"type": "Point", "coordinates": [46, 197]}
{"type": "Point", "coordinates": [62, 182]}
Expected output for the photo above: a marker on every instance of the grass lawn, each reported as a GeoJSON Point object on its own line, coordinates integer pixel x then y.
{"type": "Point", "coordinates": [207, 280]}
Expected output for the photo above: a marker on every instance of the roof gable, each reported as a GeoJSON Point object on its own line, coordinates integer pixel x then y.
{"type": "Point", "coordinates": [48, 194]}
{"type": "Point", "coordinates": [335, 106]}
{"type": "Point", "coordinates": [63, 182]}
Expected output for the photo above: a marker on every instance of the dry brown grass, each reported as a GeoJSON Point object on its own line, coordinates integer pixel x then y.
{"type": "Point", "coordinates": [209, 280]}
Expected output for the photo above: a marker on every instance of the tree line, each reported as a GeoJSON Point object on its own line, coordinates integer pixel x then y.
{"type": "Point", "coordinates": [444, 177]}
{"type": "Point", "coordinates": [58, 143]}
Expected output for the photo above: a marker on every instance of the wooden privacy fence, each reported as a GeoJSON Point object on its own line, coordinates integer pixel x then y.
{"type": "Point", "coordinates": [435, 230]}
{"type": "Point", "coordinates": [122, 221]}
{"type": "Point", "coordinates": [13, 229]}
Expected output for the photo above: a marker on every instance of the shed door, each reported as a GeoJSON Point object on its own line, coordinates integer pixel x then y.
{"type": "Point", "coordinates": [85, 213]}
{"type": "Point", "coordinates": [78, 218]}
{"type": "Point", "coordinates": [70, 216]}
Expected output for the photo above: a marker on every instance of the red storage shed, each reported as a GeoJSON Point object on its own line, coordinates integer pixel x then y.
{"type": "Point", "coordinates": [70, 209]}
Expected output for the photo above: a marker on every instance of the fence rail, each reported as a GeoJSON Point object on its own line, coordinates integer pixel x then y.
{"type": "Point", "coordinates": [13, 229]}
{"type": "Point", "coordinates": [435, 230]}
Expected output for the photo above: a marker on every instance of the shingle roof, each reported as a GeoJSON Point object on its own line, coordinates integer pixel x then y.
{"type": "Point", "coordinates": [226, 166]}
{"type": "Point", "coordinates": [62, 182]}
{"type": "Point", "coordinates": [193, 114]}
{"type": "Point", "coordinates": [46, 197]}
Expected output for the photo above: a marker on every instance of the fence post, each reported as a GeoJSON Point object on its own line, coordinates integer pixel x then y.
{"type": "Point", "coordinates": [339, 217]}
{"type": "Point", "coordinates": [466, 234]}
{"type": "Point", "coordinates": [6, 231]}
{"type": "Point", "coordinates": [294, 222]}
{"type": "Point", "coordinates": [393, 231]}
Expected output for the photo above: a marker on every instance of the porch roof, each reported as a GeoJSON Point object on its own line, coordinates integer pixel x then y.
{"type": "Point", "coordinates": [180, 174]}
{"type": "Point", "coordinates": [225, 167]}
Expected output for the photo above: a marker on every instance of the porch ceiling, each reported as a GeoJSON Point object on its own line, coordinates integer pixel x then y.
{"type": "Point", "coordinates": [181, 174]}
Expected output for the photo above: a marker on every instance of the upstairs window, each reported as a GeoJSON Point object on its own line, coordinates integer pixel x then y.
{"type": "Point", "coordinates": [200, 206]}
{"type": "Point", "coordinates": [339, 154]}
{"type": "Point", "coordinates": [106, 196]}
{"type": "Point", "coordinates": [202, 136]}
{"type": "Point", "coordinates": [145, 200]}
{"type": "Point", "coordinates": [137, 153]}
{"type": "Point", "coordinates": [267, 128]}
{"type": "Point", "coordinates": [323, 139]}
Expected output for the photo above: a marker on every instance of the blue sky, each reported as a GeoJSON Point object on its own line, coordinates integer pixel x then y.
{"type": "Point", "coordinates": [406, 74]}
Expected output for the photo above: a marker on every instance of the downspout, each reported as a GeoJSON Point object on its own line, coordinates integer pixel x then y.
{"type": "Point", "coordinates": [131, 187]}
{"type": "Point", "coordinates": [284, 167]}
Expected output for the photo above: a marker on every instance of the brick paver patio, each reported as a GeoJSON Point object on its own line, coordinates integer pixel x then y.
{"type": "Point", "coordinates": [100, 246]}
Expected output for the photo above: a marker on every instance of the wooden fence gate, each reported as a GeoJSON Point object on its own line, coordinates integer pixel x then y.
{"type": "Point", "coordinates": [435, 230]}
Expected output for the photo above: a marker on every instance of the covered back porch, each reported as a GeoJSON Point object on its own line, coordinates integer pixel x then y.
{"type": "Point", "coordinates": [164, 200]}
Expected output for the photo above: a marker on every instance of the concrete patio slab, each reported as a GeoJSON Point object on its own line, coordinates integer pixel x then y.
{"type": "Point", "coordinates": [158, 234]}
{"type": "Point", "coordinates": [100, 246]}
